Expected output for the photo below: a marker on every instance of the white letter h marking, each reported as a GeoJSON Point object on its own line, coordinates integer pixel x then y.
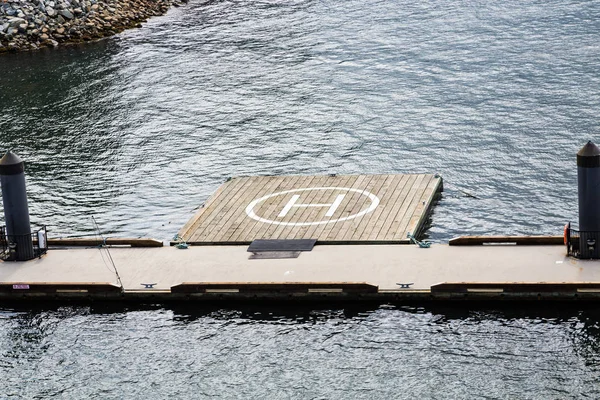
{"type": "Point", "coordinates": [292, 203]}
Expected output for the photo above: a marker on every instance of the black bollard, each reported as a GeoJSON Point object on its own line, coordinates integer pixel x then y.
{"type": "Point", "coordinates": [16, 211]}
{"type": "Point", "coordinates": [588, 184]}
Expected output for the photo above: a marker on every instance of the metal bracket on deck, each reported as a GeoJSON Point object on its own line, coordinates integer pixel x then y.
{"type": "Point", "coordinates": [405, 285]}
{"type": "Point", "coordinates": [148, 285]}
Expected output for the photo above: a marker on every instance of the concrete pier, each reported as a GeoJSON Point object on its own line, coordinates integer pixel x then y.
{"type": "Point", "coordinates": [328, 272]}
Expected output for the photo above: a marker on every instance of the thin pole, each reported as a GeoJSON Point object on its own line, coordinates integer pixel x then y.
{"type": "Point", "coordinates": [108, 252]}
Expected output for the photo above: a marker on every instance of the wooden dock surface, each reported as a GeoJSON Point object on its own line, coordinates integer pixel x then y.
{"type": "Point", "coordinates": [344, 209]}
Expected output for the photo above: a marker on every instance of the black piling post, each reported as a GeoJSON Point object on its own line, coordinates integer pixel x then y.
{"type": "Point", "coordinates": [588, 184]}
{"type": "Point", "coordinates": [16, 210]}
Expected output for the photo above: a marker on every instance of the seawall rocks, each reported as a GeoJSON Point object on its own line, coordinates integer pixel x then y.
{"type": "Point", "coordinates": [32, 24]}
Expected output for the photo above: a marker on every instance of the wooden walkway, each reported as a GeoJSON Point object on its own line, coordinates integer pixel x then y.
{"type": "Point", "coordinates": [352, 209]}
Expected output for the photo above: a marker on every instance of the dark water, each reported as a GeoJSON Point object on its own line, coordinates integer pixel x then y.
{"type": "Point", "coordinates": [138, 130]}
{"type": "Point", "coordinates": [386, 353]}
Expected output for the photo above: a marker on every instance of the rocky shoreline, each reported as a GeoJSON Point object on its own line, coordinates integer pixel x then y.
{"type": "Point", "coordinates": [32, 24]}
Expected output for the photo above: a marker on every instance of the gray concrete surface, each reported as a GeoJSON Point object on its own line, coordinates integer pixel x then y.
{"type": "Point", "coordinates": [381, 265]}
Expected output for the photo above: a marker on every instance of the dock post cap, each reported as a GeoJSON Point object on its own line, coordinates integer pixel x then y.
{"type": "Point", "coordinates": [589, 150]}
{"type": "Point", "coordinates": [589, 156]}
{"type": "Point", "coordinates": [10, 158]}
{"type": "Point", "coordinates": [11, 164]}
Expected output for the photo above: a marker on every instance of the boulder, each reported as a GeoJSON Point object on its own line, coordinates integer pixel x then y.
{"type": "Point", "coordinates": [14, 22]}
{"type": "Point", "coordinates": [66, 13]}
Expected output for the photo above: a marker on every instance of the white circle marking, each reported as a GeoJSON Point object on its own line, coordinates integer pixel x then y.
{"type": "Point", "coordinates": [250, 209]}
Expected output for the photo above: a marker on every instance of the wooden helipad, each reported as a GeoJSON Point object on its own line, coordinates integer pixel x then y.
{"type": "Point", "coordinates": [332, 209]}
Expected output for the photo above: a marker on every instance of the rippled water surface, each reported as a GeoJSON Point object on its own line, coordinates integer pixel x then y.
{"type": "Point", "coordinates": [138, 130]}
{"type": "Point", "coordinates": [385, 353]}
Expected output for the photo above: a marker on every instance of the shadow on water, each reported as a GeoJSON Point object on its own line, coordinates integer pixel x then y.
{"type": "Point", "coordinates": [588, 314]}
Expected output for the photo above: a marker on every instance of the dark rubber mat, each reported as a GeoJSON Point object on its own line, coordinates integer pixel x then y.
{"type": "Point", "coordinates": [262, 245]}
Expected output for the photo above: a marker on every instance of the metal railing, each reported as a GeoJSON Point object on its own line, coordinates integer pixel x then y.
{"type": "Point", "coordinates": [23, 247]}
{"type": "Point", "coordinates": [583, 244]}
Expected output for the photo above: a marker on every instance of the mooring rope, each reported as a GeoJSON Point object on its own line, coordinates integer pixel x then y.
{"type": "Point", "coordinates": [467, 194]}
{"type": "Point", "coordinates": [423, 245]}
{"type": "Point", "coordinates": [181, 244]}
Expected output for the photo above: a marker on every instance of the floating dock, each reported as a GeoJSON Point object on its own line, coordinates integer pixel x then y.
{"type": "Point", "coordinates": [380, 273]}
{"type": "Point", "coordinates": [333, 209]}
{"type": "Point", "coordinates": [307, 238]}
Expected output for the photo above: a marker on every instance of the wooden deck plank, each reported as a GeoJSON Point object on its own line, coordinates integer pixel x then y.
{"type": "Point", "coordinates": [301, 214]}
{"type": "Point", "coordinates": [404, 228]}
{"type": "Point", "coordinates": [348, 229]}
{"type": "Point", "coordinates": [317, 231]}
{"type": "Point", "coordinates": [236, 215]}
{"type": "Point", "coordinates": [377, 217]}
{"type": "Point", "coordinates": [203, 214]}
{"type": "Point", "coordinates": [312, 231]}
{"type": "Point", "coordinates": [360, 224]}
{"type": "Point", "coordinates": [398, 199]}
{"type": "Point", "coordinates": [222, 212]}
{"type": "Point", "coordinates": [242, 222]}
{"type": "Point", "coordinates": [270, 209]}
{"type": "Point", "coordinates": [394, 230]}
{"type": "Point", "coordinates": [308, 214]}
{"type": "Point", "coordinates": [419, 215]}
{"type": "Point", "coordinates": [389, 206]}
{"type": "Point", "coordinates": [391, 225]}
{"type": "Point", "coordinates": [252, 231]}
{"type": "Point", "coordinates": [517, 240]}
{"type": "Point", "coordinates": [328, 234]}
{"type": "Point", "coordinates": [404, 201]}
{"type": "Point", "coordinates": [217, 207]}
{"type": "Point", "coordinates": [187, 228]}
